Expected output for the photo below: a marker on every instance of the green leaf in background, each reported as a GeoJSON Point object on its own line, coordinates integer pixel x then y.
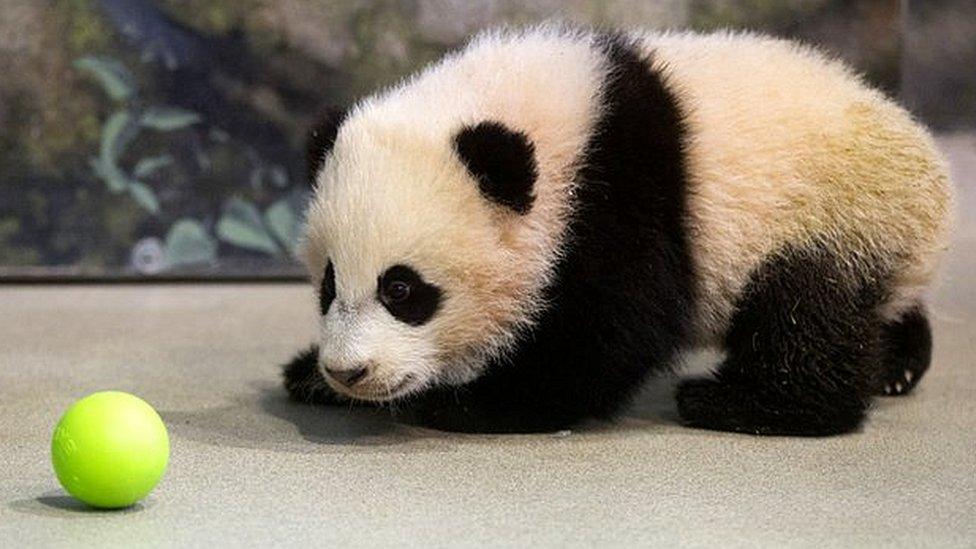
{"type": "Point", "coordinates": [150, 165]}
{"type": "Point", "coordinates": [112, 75]}
{"type": "Point", "coordinates": [168, 118]}
{"type": "Point", "coordinates": [241, 225]}
{"type": "Point", "coordinates": [119, 130]}
{"type": "Point", "coordinates": [145, 196]}
{"type": "Point", "coordinates": [187, 242]}
{"type": "Point", "coordinates": [285, 225]}
{"type": "Point", "coordinates": [114, 179]}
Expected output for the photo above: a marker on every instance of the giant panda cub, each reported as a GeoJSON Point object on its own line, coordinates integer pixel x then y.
{"type": "Point", "coordinates": [514, 239]}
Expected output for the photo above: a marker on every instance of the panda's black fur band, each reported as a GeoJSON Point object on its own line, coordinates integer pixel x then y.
{"type": "Point", "coordinates": [502, 161]}
{"type": "Point", "coordinates": [621, 297]}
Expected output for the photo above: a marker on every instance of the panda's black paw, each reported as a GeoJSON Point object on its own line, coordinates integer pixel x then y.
{"type": "Point", "coordinates": [304, 381]}
{"type": "Point", "coordinates": [906, 353]}
{"type": "Point", "coordinates": [900, 382]}
{"type": "Point", "coordinates": [704, 403]}
{"type": "Point", "coordinates": [764, 410]}
{"type": "Point", "coordinates": [901, 374]}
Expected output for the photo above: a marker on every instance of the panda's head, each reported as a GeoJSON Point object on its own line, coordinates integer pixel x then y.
{"type": "Point", "coordinates": [422, 245]}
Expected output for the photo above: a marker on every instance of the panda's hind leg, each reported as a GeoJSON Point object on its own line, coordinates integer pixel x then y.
{"type": "Point", "coordinates": [802, 351]}
{"type": "Point", "coordinates": [906, 351]}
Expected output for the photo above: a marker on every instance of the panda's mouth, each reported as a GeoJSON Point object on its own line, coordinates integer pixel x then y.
{"type": "Point", "coordinates": [400, 388]}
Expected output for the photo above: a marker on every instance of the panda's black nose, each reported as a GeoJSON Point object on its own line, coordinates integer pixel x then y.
{"type": "Point", "coordinates": [347, 377]}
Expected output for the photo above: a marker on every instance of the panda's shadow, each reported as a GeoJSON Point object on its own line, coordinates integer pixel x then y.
{"type": "Point", "coordinates": [365, 425]}
{"type": "Point", "coordinates": [264, 418]}
{"type": "Point", "coordinates": [330, 424]}
{"type": "Point", "coordinates": [267, 419]}
{"type": "Point", "coordinates": [655, 402]}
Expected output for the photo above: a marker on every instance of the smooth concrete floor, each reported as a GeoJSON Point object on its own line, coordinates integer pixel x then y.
{"type": "Point", "coordinates": [250, 468]}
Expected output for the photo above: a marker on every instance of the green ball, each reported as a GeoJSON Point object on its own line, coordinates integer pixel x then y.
{"type": "Point", "coordinates": [110, 449]}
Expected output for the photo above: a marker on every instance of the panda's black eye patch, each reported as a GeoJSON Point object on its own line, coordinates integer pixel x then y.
{"type": "Point", "coordinates": [327, 292]}
{"type": "Point", "coordinates": [407, 296]}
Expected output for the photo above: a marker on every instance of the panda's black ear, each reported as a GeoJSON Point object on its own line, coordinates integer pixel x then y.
{"type": "Point", "coordinates": [502, 161]}
{"type": "Point", "coordinates": [321, 138]}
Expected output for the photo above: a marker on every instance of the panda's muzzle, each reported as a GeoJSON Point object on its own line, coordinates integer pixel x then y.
{"type": "Point", "coordinates": [360, 382]}
{"type": "Point", "coordinates": [348, 377]}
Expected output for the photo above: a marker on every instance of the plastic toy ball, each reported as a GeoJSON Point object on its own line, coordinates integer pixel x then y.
{"type": "Point", "coordinates": [110, 449]}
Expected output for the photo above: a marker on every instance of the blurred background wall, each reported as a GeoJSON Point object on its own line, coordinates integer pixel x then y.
{"type": "Point", "coordinates": [164, 137]}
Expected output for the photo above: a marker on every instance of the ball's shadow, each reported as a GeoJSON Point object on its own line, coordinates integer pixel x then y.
{"type": "Point", "coordinates": [58, 504]}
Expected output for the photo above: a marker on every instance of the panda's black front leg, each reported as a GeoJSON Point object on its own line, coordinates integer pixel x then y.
{"type": "Point", "coordinates": [585, 359]}
{"type": "Point", "coordinates": [304, 381]}
{"type": "Point", "coordinates": [485, 407]}
{"type": "Point", "coordinates": [546, 387]}
{"type": "Point", "coordinates": [492, 404]}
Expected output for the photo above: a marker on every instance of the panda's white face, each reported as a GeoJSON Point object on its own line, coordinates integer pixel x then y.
{"type": "Point", "coordinates": [420, 278]}
{"type": "Point", "coordinates": [378, 346]}
{"type": "Point", "coordinates": [455, 183]}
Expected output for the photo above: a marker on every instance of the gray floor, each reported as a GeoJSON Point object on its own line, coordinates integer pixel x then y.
{"type": "Point", "coordinates": [248, 467]}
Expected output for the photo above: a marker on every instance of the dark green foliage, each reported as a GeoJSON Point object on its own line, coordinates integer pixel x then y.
{"type": "Point", "coordinates": [167, 135]}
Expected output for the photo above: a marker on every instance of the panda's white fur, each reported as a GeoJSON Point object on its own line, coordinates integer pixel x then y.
{"type": "Point", "coordinates": [788, 146]}
{"type": "Point", "coordinates": [784, 149]}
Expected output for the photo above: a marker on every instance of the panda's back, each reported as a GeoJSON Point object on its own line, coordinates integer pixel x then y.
{"type": "Point", "coordinates": [783, 148]}
{"type": "Point", "coordinates": [788, 148]}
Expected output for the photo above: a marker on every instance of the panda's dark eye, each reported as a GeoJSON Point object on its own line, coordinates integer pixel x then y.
{"type": "Point", "coordinates": [396, 291]}
{"type": "Point", "coordinates": [407, 296]}
{"type": "Point", "coordinates": [327, 292]}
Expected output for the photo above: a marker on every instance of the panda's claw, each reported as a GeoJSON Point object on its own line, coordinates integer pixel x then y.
{"type": "Point", "coordinates": [905, 353]}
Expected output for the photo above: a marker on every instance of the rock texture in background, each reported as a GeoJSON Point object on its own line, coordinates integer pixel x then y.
{"type": "Point", "coordinates": [164, 136]}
